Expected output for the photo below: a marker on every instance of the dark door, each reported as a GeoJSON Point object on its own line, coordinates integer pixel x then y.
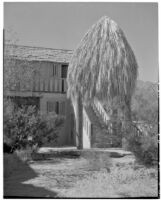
{"type": "Point", "coordinates": [64, 71]}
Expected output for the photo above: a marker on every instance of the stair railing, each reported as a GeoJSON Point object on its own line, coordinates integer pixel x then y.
{"type": "Point", "coordinates": [101, 111]}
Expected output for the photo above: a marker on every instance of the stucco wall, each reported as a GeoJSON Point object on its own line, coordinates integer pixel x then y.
{"type": "Point", "coordinates": [45, 73]}
{"type": "Point", "coordinates": [65, 137]}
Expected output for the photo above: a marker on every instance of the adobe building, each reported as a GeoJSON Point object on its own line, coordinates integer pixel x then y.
{"type": "Point", "coordinates": [48, 90]}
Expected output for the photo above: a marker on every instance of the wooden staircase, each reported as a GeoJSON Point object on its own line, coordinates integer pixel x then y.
{"type": "Point", "coordinates": [100, 135]}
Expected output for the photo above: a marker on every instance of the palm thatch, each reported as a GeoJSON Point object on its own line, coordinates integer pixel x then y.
{"type": "Point", "coordinates": [103, 65]}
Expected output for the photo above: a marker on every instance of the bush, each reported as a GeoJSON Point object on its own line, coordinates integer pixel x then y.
{"type": "Point", "coordinates": [149, 149]}
{"type": "Point", "coordinates": [25, 127]}
{"type": "Point", "coordinates": [144, 147]}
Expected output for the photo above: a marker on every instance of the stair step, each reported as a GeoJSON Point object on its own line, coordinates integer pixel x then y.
{"type": "Point", "coordinates": [100, 135]}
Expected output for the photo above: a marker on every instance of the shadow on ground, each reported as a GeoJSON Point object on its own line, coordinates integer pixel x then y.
{"type": "Point", "coordinates": [14, 185]}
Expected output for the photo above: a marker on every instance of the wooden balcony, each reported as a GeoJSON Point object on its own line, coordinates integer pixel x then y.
{"type": "Point", "coordinates": [50, 85]}
{"type": "Point", "coordinates": [53, 85]}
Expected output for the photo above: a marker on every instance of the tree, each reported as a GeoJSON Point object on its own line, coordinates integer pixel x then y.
{"type": "Point", "coordinates": [18, 74]}
{"type": "Point", "coordinates": [103, 66]}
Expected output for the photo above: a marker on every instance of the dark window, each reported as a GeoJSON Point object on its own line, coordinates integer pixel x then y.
{"type": "Point", "coordinates": [57, 107]}
{"type": "Point", "coordinates": [64, 71]}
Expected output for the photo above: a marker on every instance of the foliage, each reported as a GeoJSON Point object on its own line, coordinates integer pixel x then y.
{"type": "Point", "coordinates": [143, 136]}
{"type": "Point", "coordinates": [17, 74]}
{"type": "Point", "coordinates": [25, 127]}
{"type": "Point", "coordinates": [144, 146]}
{"type": "Point", "coordinates": [145, 102]}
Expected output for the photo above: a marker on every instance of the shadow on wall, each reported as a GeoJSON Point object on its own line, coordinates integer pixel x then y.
{"type": "Point", "coordinates": [15, 173]}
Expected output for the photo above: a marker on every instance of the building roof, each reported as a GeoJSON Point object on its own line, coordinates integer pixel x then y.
{"type": "Point", "coordinates": [39, 53]}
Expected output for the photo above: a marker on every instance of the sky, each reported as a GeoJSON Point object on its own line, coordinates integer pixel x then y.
{"type": "Point", "coordinates": [62, 26]}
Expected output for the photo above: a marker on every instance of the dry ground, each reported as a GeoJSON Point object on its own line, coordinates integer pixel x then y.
{"type": "Point", "coordinates": [79, 177]}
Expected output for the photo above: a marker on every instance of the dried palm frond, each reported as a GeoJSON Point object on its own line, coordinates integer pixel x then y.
{"type": "Point", "coordinates": [103, 65]}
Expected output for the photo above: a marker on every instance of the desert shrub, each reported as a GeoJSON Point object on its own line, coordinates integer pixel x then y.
{"type": "Point", "coordinates": [149, 149]}
{"type": "Point", "coordinates": [145, 102]}
{"type": "Point", "coordinates": [145, 111]}
{"type": "Point", "coordinates": [144, 146]}
{"type": "Point", "coordinates": [26, 127]}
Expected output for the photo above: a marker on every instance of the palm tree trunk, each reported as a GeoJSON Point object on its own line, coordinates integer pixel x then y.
{"type": "Point", "coordinates": [80, 122]}
{"type": "Point", "coordinates": [78, 111]}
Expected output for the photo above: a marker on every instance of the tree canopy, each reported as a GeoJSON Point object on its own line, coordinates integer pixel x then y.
{"type": "Point", "coordinates": [103, 65]}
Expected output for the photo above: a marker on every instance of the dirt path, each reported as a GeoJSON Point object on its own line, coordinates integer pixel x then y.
{"type": "Point", "coordinates": [77, 177]}
{"type": "Point", "coordinates": [46, 178]}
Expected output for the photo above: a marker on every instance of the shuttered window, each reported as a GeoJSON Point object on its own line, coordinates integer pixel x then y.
{"type": "Point", "coordinates": [50, 106]}
{"type": "Point", "coordinates": [55, 70]}
{"type": "Point", "coordinates": [56, 106]}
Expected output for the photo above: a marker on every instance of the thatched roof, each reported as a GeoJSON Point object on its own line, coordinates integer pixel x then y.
{"type": "Point", "coordinates": [39, 53]}
{"type": "Point", "coordinates": [103, 65]}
